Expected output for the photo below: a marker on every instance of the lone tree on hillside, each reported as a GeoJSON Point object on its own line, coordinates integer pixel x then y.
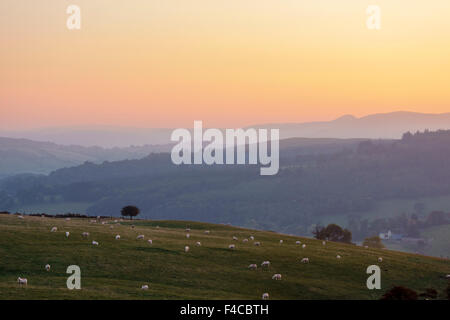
{"type": "Point", "coordinates": [373, 242]}
{"type": "Point", "coordinates": [333, 232]}
{"type": "Point", "coordinates": [130, 211]}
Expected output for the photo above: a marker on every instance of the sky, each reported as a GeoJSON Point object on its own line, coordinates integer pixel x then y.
{"type": "Point", "coordinates": [228, 63]}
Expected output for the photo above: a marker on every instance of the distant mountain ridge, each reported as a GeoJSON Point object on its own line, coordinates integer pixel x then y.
{"type": "Point", "coordinates": [376, 126]}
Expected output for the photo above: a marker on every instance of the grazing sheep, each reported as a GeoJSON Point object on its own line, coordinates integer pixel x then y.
{"type": "Point", "coordinates": [188, 230]}
{"type": "Point", "coordinates": [324, 243]}
{"type": "Point", "coordinates": [20, 217]}
{"type": "Point", "coordinates": [95, 243]}
{"type": "Point", "coordinates": [54, 229]}
{"type": "Point", "coordinates": [103, 222]}
{"type": "Point", "coordinates": [265, 264]}
{"type": "Point", "coordinates": [67, 219]}
{"type": "Point", "coordinates": [276, 276]}
{"type": "Point", "coordinates": [252, 238]}
{"type": "Point", "coordinates": [305, 260]}
{"type": "Point", "coordinates": [198, 243]}
{"type": "Point", "coordinates": [85, 234]}
{"type": "Point", "coordinates": [253, 266]}
{"type": "Point", "coordinates": [235, 238]}
{"type": "Point", "coordinates": [281, 241]}
{"type": "Point", "coordinates": [93, 221]}
{"type": "Point", "coordinates": [338, 257]}
{"type": "Point", "coordinates": [140, 237]}
{"type": "Point", "coordinates": [257, 243]}
{"type": "Point", "coordinates": [232, 246]}
{"type": "Point", "coordinates": [115, 221]}
{"type": "Point", "coordinates": [366, 247]}
{"type": "Point", "coordinates": [150, 241]}
{"type": "Point", "coordinates": [144, 287]}
{"type": "Point", "coordinates": [298, 242]}
{"type": "Point", "coordinates": [303, 246]}
{"type": "Point", "coordinates": [245, 240]}
{"type": "Point", "coordinates": [207, 231]}
{"type": "Point", "coordinates": [118, 237]}
{"type": "Point", "coordinates": [380, 259]}
{"type": "Point", "coordinates": [22, 281]}
{"type": "Point", "coordinates": [47, 267]}
{"type": "Point", "coordinates": [188, 235]}
{"type": "Point", "coordinates": [67, 234]}
{"type": "Point", "coordinates": [447, 276]}
{"type": "Point", "coordinates": [265, 296]}
{"type": "Point", "coordinates": [186, 249]}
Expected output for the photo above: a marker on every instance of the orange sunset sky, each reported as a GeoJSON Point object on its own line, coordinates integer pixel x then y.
{"type": "Point", "coordinates": [229, 63]}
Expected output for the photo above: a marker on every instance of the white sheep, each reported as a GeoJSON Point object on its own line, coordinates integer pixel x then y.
{"type": "Point", "coordinates": [67, 234]}
{"type": "Point", "coordinates": [144, 287]}
{"type": "Point", "coordinates": [22, 281]}
{"type": "Point", "coordinates": [85, 234]}
{"type": "Point", "coordinates": [305, 260]}
{"type": "Point", "coordinates": [245, 240]}
{"type": "Point", "coordinates": [118, 237]}
{"type": "Point", "coordinates": [447, 276]}
{"type": "Point", "coordinates": [265, 264]}
{"type": "Point", "coordinates": [198, 243]}
{"type": "Point", "coordinates": [380, 259]}
{"type": "Point", "coordinates": [188, 230]}
{"type": "Point", "coordinates": [232, 246]}
{"type": "Point", "coordinates": [281, 241]}
{"type": "Point", "coordinates": [265, 296]}
{"type": "Point", "coordinates": [252, 238]}
{"type": "Point", "coordinates": [298, 242]}
{"type": "Point", "coordinates": [140, 237]}
{"type": "Point", "coordinates": [150, 241]}
{"type": "Point", "coordinates": [324, 243]}
{"type": "Point", "coordinates": [93, 221]}
{"type": "Point", "coordinates": [186, 249]}
{"type": "Point", "coordinates": [257, 243]}
{"type": "Point", "coordinates": [366, 247]}
{"type": "Point", "coordinates": [338, 257]}
{"type": "Point", "coordinates": [54, 229]}
{"type": "Point", "coordinates": [276, 276]}
{"type": "Point", "coordinates": [253, 266]}
{"type": "Point", "coordinates": [47, 267]}
{"type": "Point", "coordinates": [188, 235]}
{"type": "Point", "coordinates": [20, 217]}
{"type": "Point", "coordinates": [67, 219]}
{"type": "Point", "coordinates": [95, 243]}
{"type": "Point", "coordinates": [303, 246]}
{"type": "Point", "coordinates": [207, 232]}
{"type": "Point", "coordinates": [235, 238]}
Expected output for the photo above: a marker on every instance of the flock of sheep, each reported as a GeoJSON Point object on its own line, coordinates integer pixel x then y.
{"type": "Point", "coordinates": [253, 266]}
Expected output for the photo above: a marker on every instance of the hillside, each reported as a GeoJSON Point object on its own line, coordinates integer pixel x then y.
{"type": "Point", "coordinates": [19, 156]}
{"type": "Point", "coordinates": [117, 269]}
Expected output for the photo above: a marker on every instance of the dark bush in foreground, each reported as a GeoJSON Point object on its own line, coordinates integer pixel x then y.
{"type": "Point", "coordinates": [400, 293]}
{"type": "Point", "coordinates": [429, 293]}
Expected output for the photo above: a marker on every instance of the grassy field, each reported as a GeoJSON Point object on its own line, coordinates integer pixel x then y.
{"type": "Point", "coordinates": [117, 269]}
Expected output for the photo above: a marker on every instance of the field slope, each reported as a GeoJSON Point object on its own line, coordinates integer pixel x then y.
{"type": "Point", "coordinates": [117, 269]}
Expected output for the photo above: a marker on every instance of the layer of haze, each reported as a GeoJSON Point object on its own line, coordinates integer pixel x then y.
{"type": "Point", "coordinates": [228, 63]}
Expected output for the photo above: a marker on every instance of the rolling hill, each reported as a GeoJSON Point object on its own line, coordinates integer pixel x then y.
{"type": "Point", "coordinates": [19, 156]}
{"type": "Point", "coordinates": [116, 269]}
